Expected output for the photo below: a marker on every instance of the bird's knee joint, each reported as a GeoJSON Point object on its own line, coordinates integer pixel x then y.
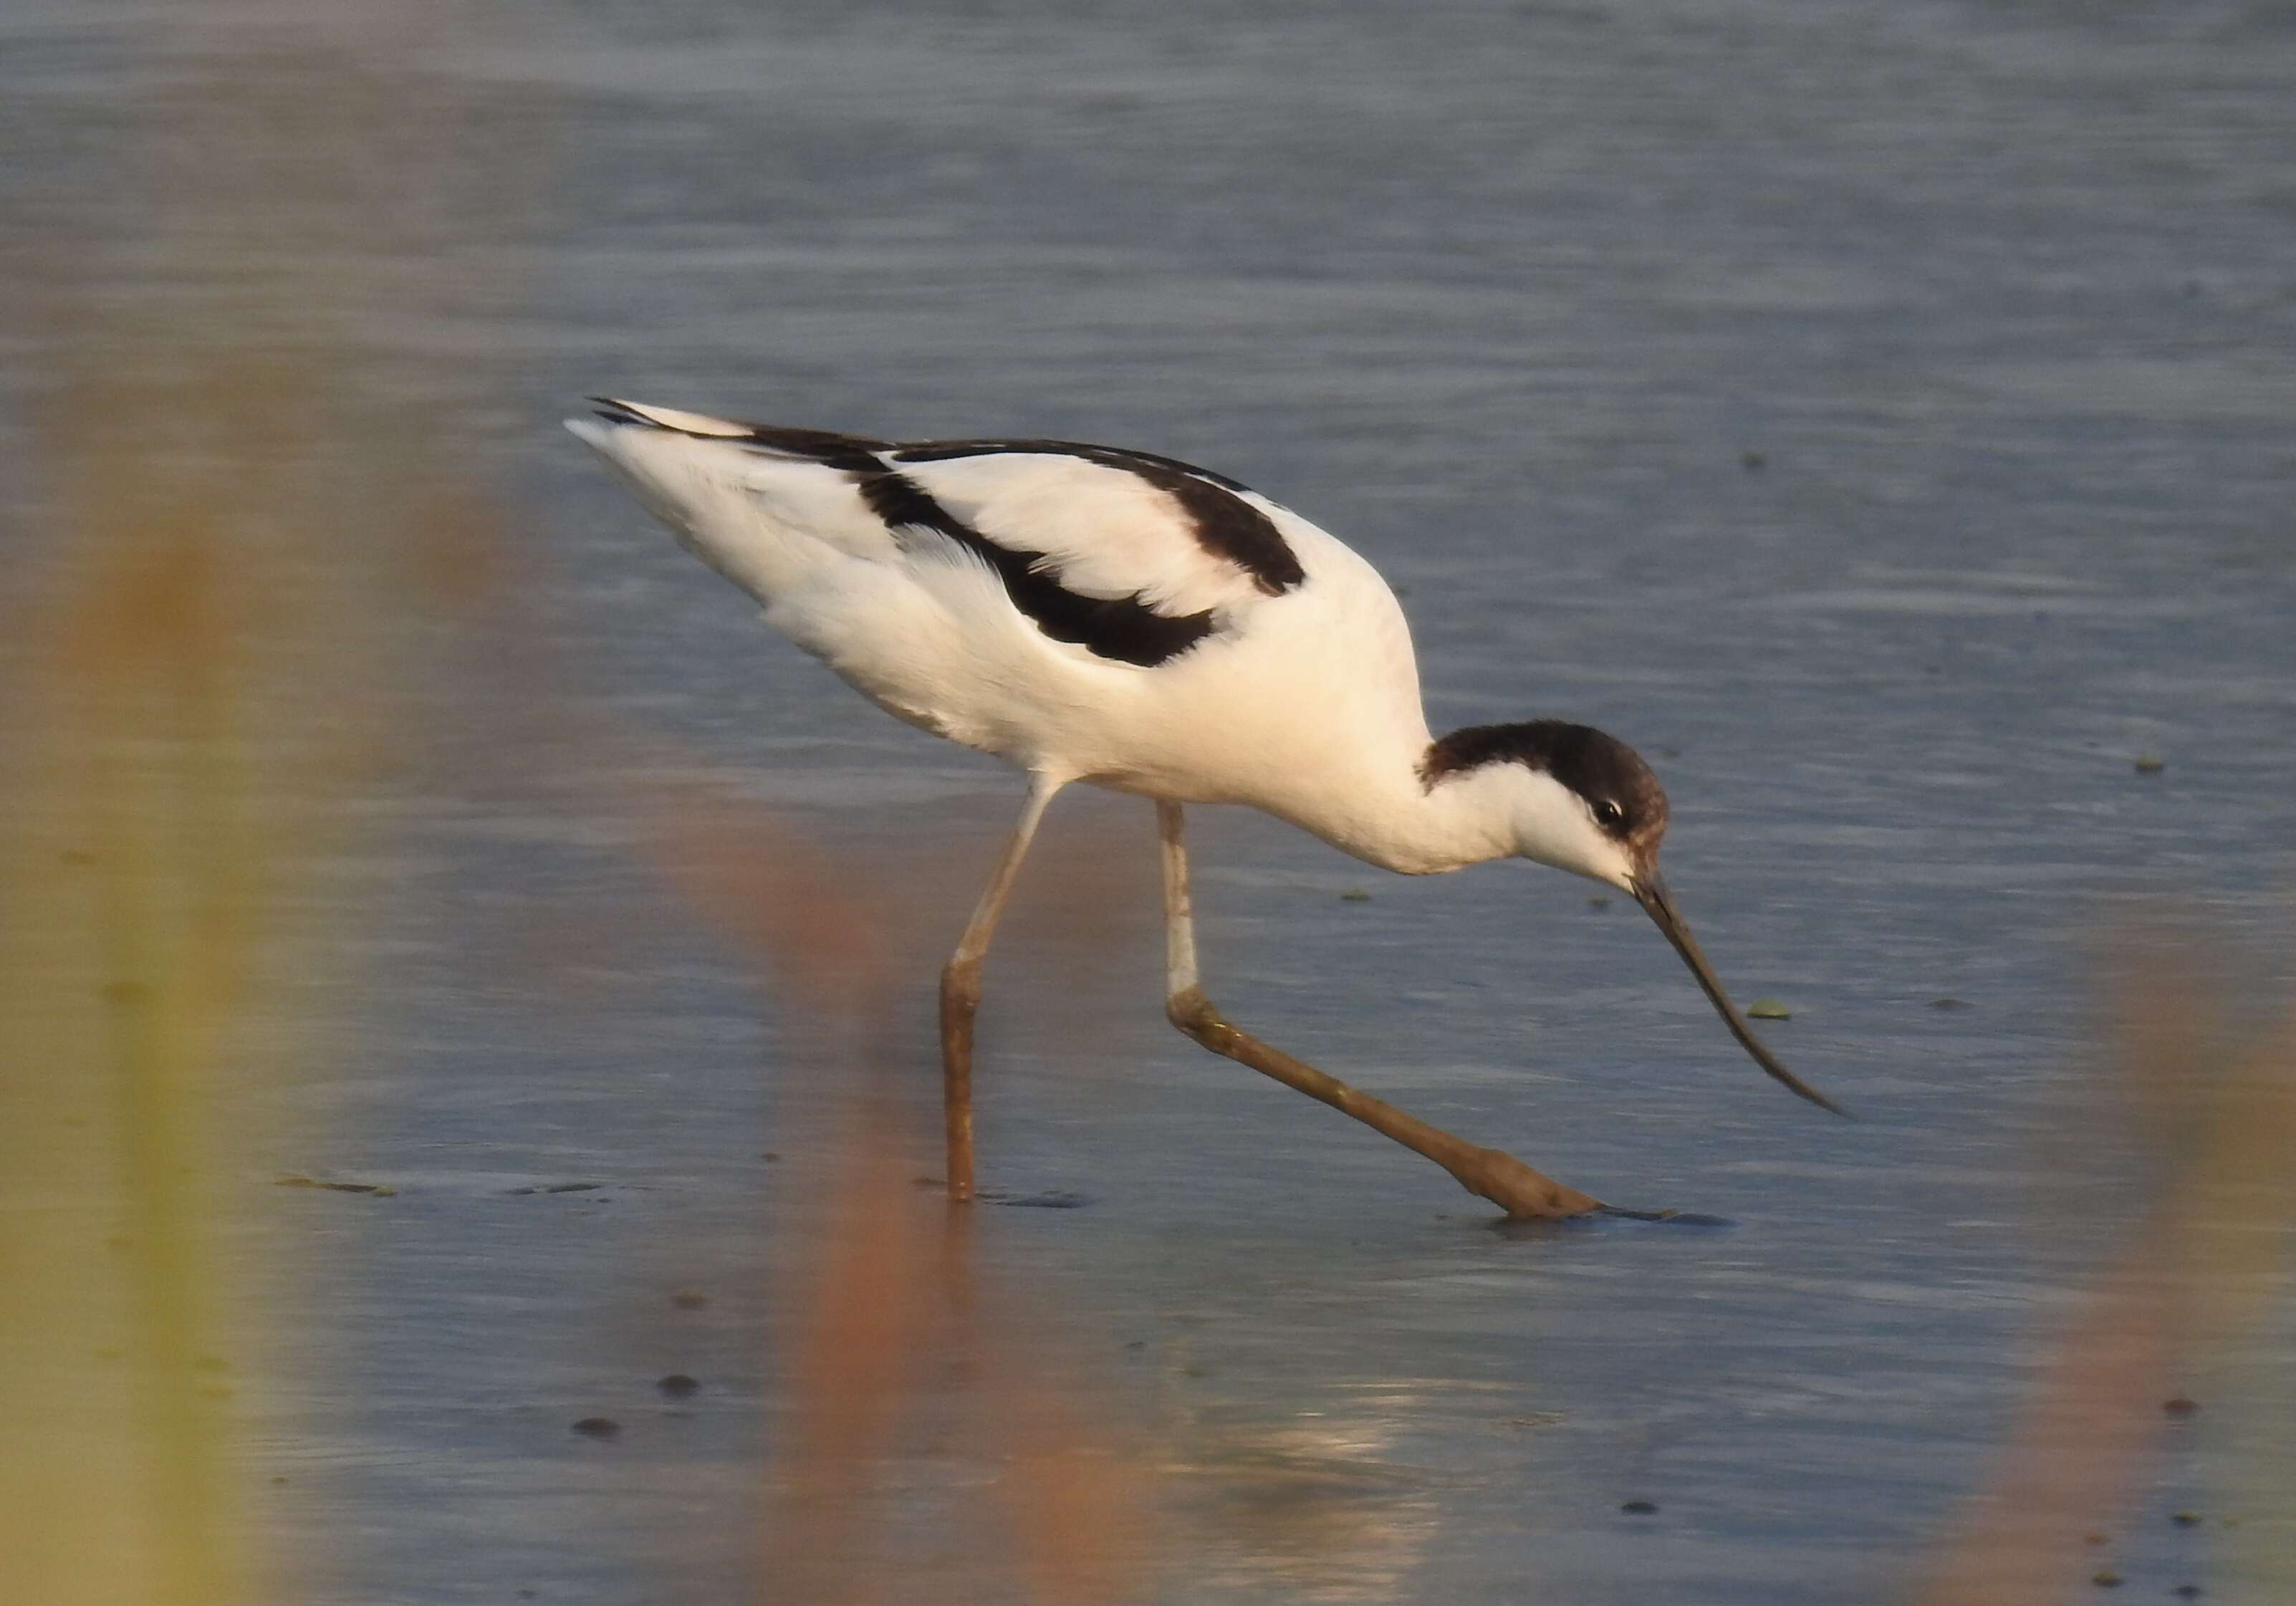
{"type": "Point", "coordinates": [960, 984]}
{"type": "Point", "coordinates": [1189, 1010]}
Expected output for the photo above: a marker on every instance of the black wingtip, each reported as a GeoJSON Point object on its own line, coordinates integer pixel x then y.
{"type": "Point", "coordinates": [619, 412]}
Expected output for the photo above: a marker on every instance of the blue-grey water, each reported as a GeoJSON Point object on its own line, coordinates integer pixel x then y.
{"type": "Point", "coordinates": [1879, 413]}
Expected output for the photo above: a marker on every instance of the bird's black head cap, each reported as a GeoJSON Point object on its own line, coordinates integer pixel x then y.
{"type": "Point", "coordinates": [1619, 790]}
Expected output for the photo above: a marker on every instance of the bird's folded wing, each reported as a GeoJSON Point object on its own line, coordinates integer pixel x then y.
{"type": "Point", "coordinates": [1111, 525]}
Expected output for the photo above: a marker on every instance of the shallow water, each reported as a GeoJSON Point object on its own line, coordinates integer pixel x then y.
{"type": "Point", "coordinates": [1878, 413]}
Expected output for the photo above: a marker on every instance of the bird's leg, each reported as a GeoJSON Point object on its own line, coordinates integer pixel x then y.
{"type": "Point", "coordinates": [1501, 1178]}
{"type": "Point", "coordinates": [960, 991]}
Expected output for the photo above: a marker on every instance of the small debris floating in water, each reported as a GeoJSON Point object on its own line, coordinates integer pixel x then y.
{"type": "Point", "coordinates": [1640, 1508]}
{"type": "Point", "coordinates": [678, 1385]}
{"type": "Point", "coordinates": [1354, 895]}
{"type": "Point", "coordinates": [2186, 1519]}
{"type": "Point", "coordinates": [2104, 1577]}
{"type": "Point", "coordinates": [689, 1298]}
{"type": "Point", "coordinates": [598, 1427]}
{"type": "Point", "coordinates": [1598, 902]}
{"type": "Point", "coordinates": [1949, 1004]}
{"type": "Point", "coordinates": [2179, 1406]}
{"type": "Point", "coordinates": [1768, 1009]}
{"type": "Point", "coordinates": [2147, 765]}
{"type": "Point", "coordinates": [379, 1190]}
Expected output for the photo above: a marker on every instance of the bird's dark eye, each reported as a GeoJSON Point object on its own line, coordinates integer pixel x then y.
{"type": "Point", "coordinates": [1609, 815]}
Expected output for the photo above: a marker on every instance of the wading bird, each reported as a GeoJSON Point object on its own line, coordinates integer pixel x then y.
{"type": "Point", "coordinates": [1118, 618]}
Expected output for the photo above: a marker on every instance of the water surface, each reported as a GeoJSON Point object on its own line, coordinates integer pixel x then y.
{"type": "Point", "coordinates": [1879, 414]}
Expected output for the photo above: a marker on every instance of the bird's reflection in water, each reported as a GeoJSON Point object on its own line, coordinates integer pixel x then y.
{"type": "Point", "coordinates": [1324, 1505]}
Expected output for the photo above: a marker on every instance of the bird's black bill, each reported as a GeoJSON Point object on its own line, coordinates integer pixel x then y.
{"type": "Point", "coordinates": [1651, 893]}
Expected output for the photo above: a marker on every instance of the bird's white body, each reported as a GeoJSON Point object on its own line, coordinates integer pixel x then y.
{"type": "Point", "coordinates": [1304, 704]}
{"type": "Point", "coordinates": [1117, 618]}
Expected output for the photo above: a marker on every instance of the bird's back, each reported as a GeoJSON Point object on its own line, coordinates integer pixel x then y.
{"type": "Point", "coordinates": [1084, 611]}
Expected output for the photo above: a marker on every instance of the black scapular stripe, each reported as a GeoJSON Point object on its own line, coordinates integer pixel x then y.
{"type": "Point", "coordinates": [1124, 629]}
{"type": "Point", "coordinates": [1225, 524]}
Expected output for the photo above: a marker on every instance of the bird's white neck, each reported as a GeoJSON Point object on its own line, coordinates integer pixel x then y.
{"type": "Point", "coordinates": [1380, 810]}
{"type": "Point", "coordinates": [1380, 806]}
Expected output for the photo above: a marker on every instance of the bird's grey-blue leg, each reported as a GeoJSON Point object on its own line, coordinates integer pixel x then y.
{"type": "Point", "coordinates": [1501, 1178]}
{"type": "Point", "coordinates": [960, 989]}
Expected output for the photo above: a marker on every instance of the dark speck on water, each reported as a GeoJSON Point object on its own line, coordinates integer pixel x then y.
{"type": "Point", "coordinates": [1639, 1508]}
{"type": "Point", "coordinates": [678, 1385]}
{"type": "Point", "coordinates": [598, 1427]}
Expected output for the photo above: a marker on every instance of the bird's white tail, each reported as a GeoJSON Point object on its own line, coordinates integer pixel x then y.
{"type": "Point", "coordinates": [766, 516]}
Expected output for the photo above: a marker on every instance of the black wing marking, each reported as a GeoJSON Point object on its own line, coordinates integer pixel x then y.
{"type": "Point", "coordinates": [1124, 629]}
{"type": "Point", "coordinates": [1225, 524]}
